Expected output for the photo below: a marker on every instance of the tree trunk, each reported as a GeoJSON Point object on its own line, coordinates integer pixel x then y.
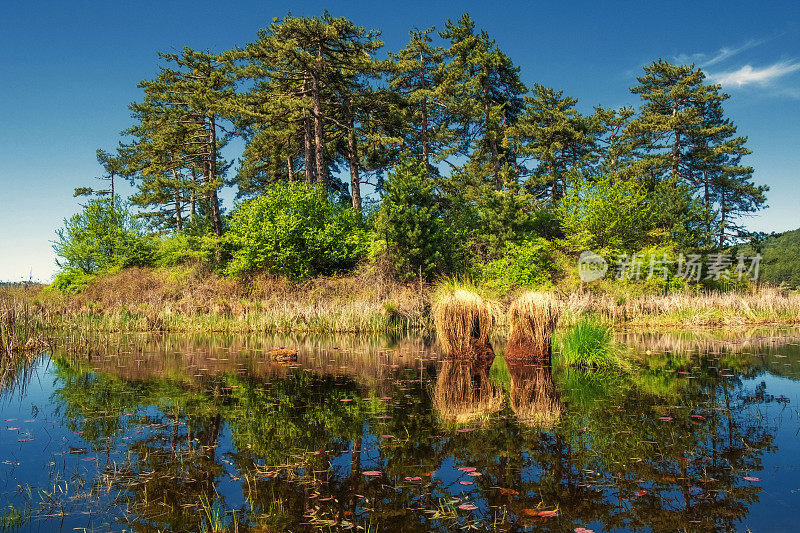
{"type": "Point", "coordinates": [178, 217]}
{"type": "Point", "coordinates": [425, 148]}
{"type": "Point", "coordinates": [308, 157]}
{"type": "Point", "coordinates": [322, 169]}
{"type": "Point", "coordinates": [498, 185]}
{"type": "Point", "coordinates": [290, 167]}
{"type": "Point", "coordinates": [193, 198]}
{"type": "Point", "coordinates": [722, 219]}
{"type": "Point", "coordinates": [352, 154]}
{"type": "Point", "coordinates": [216, 218]}
{"type": "Point", "coordinates": [177, 199]}
{"type": "Point", "coordinates": [707, 201]}
{"type": "Point", "coordinates": [676, 149]}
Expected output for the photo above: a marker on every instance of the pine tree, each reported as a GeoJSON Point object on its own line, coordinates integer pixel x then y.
{"type": "Point", "coordinates": [417, 75]}
{"type": "Point", "coordinates": [181, 126]}
{"type": "Point", "coordinates": [484, 96]}
{"type": "Point", "coordinates": [690, 157]}
{"type": "Point", "coordinates": [307, 57]}
{"type": "Point", "coordinates": [556, 136]}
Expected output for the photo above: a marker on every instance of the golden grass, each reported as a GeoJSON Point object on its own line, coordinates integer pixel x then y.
{"type": "Point", "coordinates": [464, 393]}
{"type": "Point", "coordinates": [533, 317]}
{"type": "Point", "coordinates": [766, 305]}
{"type": "Point", "coordinates": [533, 397]}
{"type": "Point", "coordinates": [461, 317]}
{"type": "Point", "coordinates": [21, 327]}
{"type": "Point", "coordinates": [191, 300]}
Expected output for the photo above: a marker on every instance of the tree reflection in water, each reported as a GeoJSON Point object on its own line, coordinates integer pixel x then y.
{"type": "Point", "coordinates": [425, 447]}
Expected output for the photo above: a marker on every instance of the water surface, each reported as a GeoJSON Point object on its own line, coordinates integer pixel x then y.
{"type": "Point", "coordinates": [152, 433]}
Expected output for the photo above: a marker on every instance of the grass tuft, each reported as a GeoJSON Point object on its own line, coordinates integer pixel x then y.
{"type": "Point", "coordinates": [533, 317]}
{"type": "Point", "coordinates": [589, 344]}
{"type": "Point", "coordinates": [462, 316]}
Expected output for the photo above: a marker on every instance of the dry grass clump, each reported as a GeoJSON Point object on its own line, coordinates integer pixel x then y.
{"type": "Point", "coordinates": [464, 393]}
{"type": "Point", "coordinates": [463, 317]}
{"type": "Point", "coordinates": [766, 305]}
{"type": "Point", "coordinates": [193, 300]}
{"type": "Point", "coordinates": [533, 396]}
{"type": "Point", "coordinates": [533, 317]}
{"type": "Point", "coordinates": [21, 327]}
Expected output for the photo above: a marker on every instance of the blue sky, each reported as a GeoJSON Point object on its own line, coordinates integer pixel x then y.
{"type": "Point", "coordinates": [69, 70]}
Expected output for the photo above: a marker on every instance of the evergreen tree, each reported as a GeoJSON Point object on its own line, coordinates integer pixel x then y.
{"type": "Point", "coordinates": [560, 139]}
{"type": "Point", "coordinates": [484, 96]}
{"type": "Point", "coordinates": [311, 57]}
{"type": "Point", "coordinates": [418, 77]}
{"type": "Point", "coordinates": [690, 158]}
{"type": "Point", "coordinates": [181, 126]}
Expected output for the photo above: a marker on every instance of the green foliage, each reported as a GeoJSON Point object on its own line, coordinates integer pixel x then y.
{"type": "Point", "coordinates": [780, 263]}
{"type": "Point", "coordinates": [411, 222]}
{"type": "Point", "coordinates": [71, 280]}
{"type": "Point", "coordinates": [529, 264]}
{"type": "Point", "coordinates": [102, 237]}
{"type": "Point", "coordinates": [187, 248]}
{"type": "Point", "coordinates": [610, 215]}
{"type": "Point", "coordinates": [295, 231]}
{"type": "Point", "coordinates": [589, 344]}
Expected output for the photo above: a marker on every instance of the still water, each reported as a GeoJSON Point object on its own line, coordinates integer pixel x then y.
{"type": "Point", "coordinates": [153, 433]}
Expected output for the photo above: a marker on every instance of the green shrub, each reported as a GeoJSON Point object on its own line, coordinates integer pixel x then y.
{"type": "Point", "coordinates": [185, 248]}
{"type": "Point", "coordinates": [71, 280]}
{"type": "Point", "coordinates": [528, 264]}
{"type": "Point", "coordinates": [589, 344]}
{"type": "Point", "coordinates": [607, 214]}
{"type": "Point", "coordinates": [295, 231]}
{"type": "Point", "coordinates": [101, 238]}
{"type": "Point", "coordinates": [410, 221]}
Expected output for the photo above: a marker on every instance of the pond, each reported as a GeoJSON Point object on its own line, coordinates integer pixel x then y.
{"type": "Point", "coordinates": [181, 433]}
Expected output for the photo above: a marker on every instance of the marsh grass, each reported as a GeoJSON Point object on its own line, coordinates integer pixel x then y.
{"type": "Point", "coordinates": [190, 300]}
{"type": "Point", "coordinates": [767, 305]}
{"type": "Point", "coordinates": [464, 393]}
{"type": "Point", "coordinates": [462, 315]}
{"type": "Point", "coordinates": [589, 344]}
{"type": "Point", "coordinates": [533, 317]}
{"type": "Point", "coordinates": [22, 328]}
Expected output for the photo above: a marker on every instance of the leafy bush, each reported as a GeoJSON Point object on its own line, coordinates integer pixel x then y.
{"type": "Point", "coordinates": [102, 237]}
{"type": "Point", "coordinates": [607, 214]}
{"type": "Point", "coordinates": [185, 248]}
{"type": "Point", "coordinates": [295, 231]}
{"type": "Point", "coordinates": [410, 221]}
{"type": "Point", "coordinates": [71, 280]}
{"type": "Point", "coordinates": [528, 264]}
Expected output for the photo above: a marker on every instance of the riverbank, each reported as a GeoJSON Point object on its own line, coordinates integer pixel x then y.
{"type": "Point", "coordinates": [190, 300]}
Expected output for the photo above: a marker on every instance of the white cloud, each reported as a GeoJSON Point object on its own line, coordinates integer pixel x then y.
{"type": "Point", "coordinates": [748, 75]}
{"type": "Point", "coordinates": [724, 53]}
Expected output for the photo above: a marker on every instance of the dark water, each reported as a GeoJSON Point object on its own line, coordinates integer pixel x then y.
{"type": "Point", "coordinates": [375, 434]}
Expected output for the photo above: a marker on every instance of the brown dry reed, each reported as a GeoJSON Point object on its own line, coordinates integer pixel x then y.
{"type": "Point", "coordinates": [533, 317]}
{"type": "Point", "coordinates": [460, 317]}
{"type": "Point", "coordinates": [533, 397]}
{"type": "Point", "coordinates": [464, 393]}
